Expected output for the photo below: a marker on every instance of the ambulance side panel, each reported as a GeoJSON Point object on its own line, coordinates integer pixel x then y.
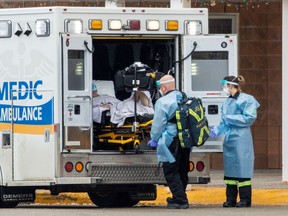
{"type": "Point", "coordinates": [30, 69]}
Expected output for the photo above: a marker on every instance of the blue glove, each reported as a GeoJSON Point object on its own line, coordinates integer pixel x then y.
{"type": "Point", "coordinates": [152, 143]}
{"type": "Point", "coordinates": [212, 134]}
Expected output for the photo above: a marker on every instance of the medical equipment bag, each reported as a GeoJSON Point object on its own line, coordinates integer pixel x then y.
{"type": "Point", "coordinates": [192, 124]}
{"type": "Point", "coordinates": [132, 76]}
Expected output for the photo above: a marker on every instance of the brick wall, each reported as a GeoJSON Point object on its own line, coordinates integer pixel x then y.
{"type": "Point", "coordinates": [260, 62]}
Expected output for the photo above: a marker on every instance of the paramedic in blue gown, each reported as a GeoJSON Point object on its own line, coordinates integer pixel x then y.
{"type": "Point", "coordinates": [164, 136]}
{"type": "Point", "coordinates": [239, 112]}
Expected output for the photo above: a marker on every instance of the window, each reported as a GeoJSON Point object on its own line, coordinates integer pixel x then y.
{"type": "Point", "coordinates": [203, 78]}
{"type": "Point", "coordinates": [223, 23]}
{"type": "Point", "coordinates": [76, 70]}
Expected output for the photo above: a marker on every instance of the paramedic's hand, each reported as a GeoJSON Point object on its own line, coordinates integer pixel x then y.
{"type": "Point", "coordinates": [212, 134]}
{"type": "Point", "coordinates": [152, 143]}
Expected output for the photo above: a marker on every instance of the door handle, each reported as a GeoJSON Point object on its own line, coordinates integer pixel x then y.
{"type": "Point", "coordinates": [85, 128]}
{"type": "Point", "coordinates": [79, 96]}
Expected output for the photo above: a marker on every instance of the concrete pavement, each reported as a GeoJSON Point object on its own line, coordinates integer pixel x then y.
{"type": "Point", "coordinates": [268, 178]}
{"type": "Point", "coordinates": [267, 185]}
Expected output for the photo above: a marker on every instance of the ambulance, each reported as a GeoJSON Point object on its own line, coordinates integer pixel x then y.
{"type": "Point", "coordinates": [49, 57]}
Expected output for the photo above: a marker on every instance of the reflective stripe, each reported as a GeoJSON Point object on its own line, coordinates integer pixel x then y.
{"type": "Point", "coordinates": [202, 131]}
{"type": "Point", "coordinates": [181, 139]}
{"type": "Point", "coordinates": [245, 183]}
{"type": "Point", "coordinates": [230, 182]}
{"type": "Point", "coordinates": [194, 114]}
{"type": "Point", "coordinates": [179, 125]}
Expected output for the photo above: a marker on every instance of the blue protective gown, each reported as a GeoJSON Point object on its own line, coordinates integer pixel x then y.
{"type": "Point", "coordinates": [238, 114]}
{"type": "Point", "coordinates": [163, 131]}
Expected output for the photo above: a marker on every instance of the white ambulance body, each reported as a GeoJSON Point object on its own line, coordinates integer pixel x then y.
{"type": "Point", "coordinates": [48, 59]}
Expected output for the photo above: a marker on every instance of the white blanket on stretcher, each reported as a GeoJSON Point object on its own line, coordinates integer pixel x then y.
{"type": "Point", "coordinates": [100, 104]}
{"type": "Point", "coordinates": [120, 110]}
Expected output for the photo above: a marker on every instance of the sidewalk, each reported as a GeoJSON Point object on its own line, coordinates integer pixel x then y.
{"type": "Point", "coordinates": [268, 178]}
{"type": "Point", "coordinates": [267, 185]}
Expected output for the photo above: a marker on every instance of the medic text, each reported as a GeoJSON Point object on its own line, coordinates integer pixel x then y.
{"type": "Point", "coordinates": [21, 90]}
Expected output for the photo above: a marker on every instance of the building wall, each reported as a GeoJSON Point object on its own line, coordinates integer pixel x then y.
{"type": "Point", "coordinates": [260, 62]}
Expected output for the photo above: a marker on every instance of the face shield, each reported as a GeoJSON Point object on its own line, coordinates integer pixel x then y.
{"type": "Point", "coordinates": [226, 82]}
{"type": "Point", "coordinates": [159, 83]}
{"type": "Point", "coordinates": [224, 86]}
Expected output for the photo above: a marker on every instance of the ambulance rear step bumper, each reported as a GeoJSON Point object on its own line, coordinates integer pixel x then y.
{"type": "Point", "coordinates": [135, 174]}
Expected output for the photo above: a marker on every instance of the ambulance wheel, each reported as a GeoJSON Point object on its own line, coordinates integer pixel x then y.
{"type": "Point", "coordinates": [8, 204]}
{"type": "Point", "coordinates": [125, 200]}
{"type": "Point", "coordinates": [103, 199]}
{"type": "Point", "coordinates": [112, 199]}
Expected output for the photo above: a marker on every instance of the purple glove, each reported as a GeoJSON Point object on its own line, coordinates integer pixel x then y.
{"type": "Point", "coordinates": [212, 134]}
{"type": "Point", "coordinates": [152, 143]}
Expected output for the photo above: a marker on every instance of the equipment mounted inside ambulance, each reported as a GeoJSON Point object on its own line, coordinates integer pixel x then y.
{"type": "Point", "coordinates": [48, 59]}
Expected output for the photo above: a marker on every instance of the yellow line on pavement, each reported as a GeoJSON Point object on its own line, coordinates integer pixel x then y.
{"type": "Point", "coordinates": [196, 195]}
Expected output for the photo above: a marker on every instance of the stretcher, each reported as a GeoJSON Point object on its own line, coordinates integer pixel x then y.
{"type": "Point", "coordinates": [124, 135]}
{"type": "Point", "coordinates": [132, 133]}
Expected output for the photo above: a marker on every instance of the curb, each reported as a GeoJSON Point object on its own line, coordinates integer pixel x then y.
{"type": "Point", "coordinates": [196, 196]}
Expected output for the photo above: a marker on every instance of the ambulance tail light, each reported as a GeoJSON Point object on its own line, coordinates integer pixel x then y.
{"type": "Point", "coordinates": [191, 166]}
{"type": "Point", "coordinates": [5, 29]}
{"type": "Point", "coordinates": [171, 25]}
{"type": "Point", "coordinates": [73, 26]}
{"type": "Point", "coordinates": [200, 166]}
{"type": "Point", "coordinates": [69, 167]}
{"type": "Point", "coordinates": [114, 24]}
{"type": "Point", "coordinates": [79, 166]}
{"type": "Point", "coordinates": [152, 25]}
{"type": "Point", "coordinates": [132, 25]}
{"type": "Point", "coordinates": [88, 165]}
{"type": "Point", "coordinates": [95, 24]}
{"type": "Point", "coordinates": [193, 27]}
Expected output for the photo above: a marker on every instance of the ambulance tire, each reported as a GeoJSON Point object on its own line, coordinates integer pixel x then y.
{"type": "Point", "coordinates": [8, 204]}
{"type": "Point", "coordinates": [103, 199]}
{"type": "Point", "coordinates": [125, 200]}
{"type": "Point", "coordinates": [112, 199]}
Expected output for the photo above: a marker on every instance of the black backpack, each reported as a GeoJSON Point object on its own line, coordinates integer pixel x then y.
{"type": "Point", "coordinates": [192, 124]}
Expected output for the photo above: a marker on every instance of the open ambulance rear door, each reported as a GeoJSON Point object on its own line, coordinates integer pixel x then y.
{"type": "Point", "coordinates": [213, 58]}
{"type": "Point", "coordinates": [77, 91]}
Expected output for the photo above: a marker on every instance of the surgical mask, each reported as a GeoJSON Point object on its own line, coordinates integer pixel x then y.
{"type": "Point", "coordinates": [226, 91]}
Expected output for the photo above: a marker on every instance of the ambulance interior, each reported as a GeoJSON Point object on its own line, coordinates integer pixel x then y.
{"type": "Point", "coordinates": [113, 55]}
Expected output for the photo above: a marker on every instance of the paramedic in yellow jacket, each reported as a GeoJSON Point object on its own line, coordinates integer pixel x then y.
{"type": "Point", "coordinates": [239, 112]}
{"type": "Point", "coordinates": [164, 136]}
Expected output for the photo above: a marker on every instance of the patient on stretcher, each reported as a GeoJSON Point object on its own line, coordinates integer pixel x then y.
{"type": "Point", "coordinates": [118, 110]}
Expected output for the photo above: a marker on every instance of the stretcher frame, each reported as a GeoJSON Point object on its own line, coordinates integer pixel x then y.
{"type": "Point", "coordinates": [125, 134]}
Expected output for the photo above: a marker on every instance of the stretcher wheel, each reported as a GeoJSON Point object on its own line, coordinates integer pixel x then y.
{"type": "Point", "coordinates": [137, 148]}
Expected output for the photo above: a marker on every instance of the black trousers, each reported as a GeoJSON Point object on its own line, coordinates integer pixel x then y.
{"type": "Point", "coordinates": [244, 186]}
{"type": "Point", "coordinates": [176, 174]}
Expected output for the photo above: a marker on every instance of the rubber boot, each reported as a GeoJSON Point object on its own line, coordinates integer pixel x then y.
{"type": "Point", "coordinates": [245, 196]}
{"type": "Point", "coordinates": [231, 196]}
